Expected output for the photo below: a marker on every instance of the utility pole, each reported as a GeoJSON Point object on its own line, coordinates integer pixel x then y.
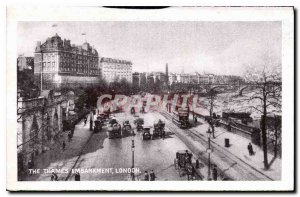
{"type": "Point", "coordinates": [132, 169]}
{"type": "Point", "coordinates": [42, 67]}
{"type": "Point", "coordinates": [209, 150]}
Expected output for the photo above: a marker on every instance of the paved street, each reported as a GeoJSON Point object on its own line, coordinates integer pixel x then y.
{"type": "Point", "coordinates": [157, 155]}
{"type": "Point", "coordinates": [89, 150]}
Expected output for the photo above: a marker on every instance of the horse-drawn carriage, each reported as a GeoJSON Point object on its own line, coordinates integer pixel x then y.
{"type": "Point", "coordinates": [159, 129]}
{"type": "Point", "coordinates": [126, 129]}
{"type": "Point", "coordinates": [114, 129]}
{"type": "Point", "coordinates": [132, 110]}
{"type": "Point", "coordinates": [98, 125]}
{"type": "Point", "coordinates": [183, 163]}
{"type": "Point", "coordinates": [146, 135]}
{"type": "Point", "coordinates": [103, 116]}
{"type": "Point", "coordinates": [139, 122]}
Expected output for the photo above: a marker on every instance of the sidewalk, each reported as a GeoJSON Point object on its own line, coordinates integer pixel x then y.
{"type": "Point", "coordinates": [56, 158]}
{"type": "Point", "coordinates": [238, 147]}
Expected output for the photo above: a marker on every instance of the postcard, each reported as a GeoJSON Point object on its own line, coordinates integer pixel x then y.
{"type": "Point", "coordinates": [157, 99]}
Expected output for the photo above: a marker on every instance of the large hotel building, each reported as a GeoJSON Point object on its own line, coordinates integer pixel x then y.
{"type": "Point", "coordinates": [115, 70]}
{"type": "Point", "coordinates": [59, 63]}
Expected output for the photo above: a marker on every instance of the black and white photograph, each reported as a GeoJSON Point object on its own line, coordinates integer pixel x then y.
{"type": "Point", "coordinates": [136, 99]}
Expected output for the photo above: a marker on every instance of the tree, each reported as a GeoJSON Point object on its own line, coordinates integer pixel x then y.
{"type": "Point", "coordinates": [125, 87]}
{"type": "Point", "coordinates": [210, 103]}
{"type": "Point", "coordinates": [81, 100]}
{"type": "Point", "coordinates": [274, 124]}
{"type": "Point", "coordinates": [25, 83]}
{"type": "Point", "coordinates": [266, 97]}
{"type": "Point", "coordinates": [102, 86]}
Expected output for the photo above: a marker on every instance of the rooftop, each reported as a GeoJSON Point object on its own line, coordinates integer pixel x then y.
{"type": "Point", "coordinates": [112, 60]}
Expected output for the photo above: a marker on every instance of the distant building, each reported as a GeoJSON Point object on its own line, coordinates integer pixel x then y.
{"type": "Point", "coordinates": [184, 78]}
{"type": "Point", "coordinates": [159, 76]}
{"type": "Point", "coordinates": [203, 79]}
{"type": "Point", "coordinates": [136, 79]}
{"type": "Point", "coordinates": [114, 69]}
{"type": "Point", "coordinates": [25, 63]}
{"type": "Point", "coordinates": [58, 63]}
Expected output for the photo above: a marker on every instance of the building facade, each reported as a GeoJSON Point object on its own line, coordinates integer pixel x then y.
{"type": "Point", "coordinates": [25, 63]}
{"type": "Point", "coordinates": [115, 70]}
{"type": "Point", "coordinates": [172, 78]}
{"type": "Point", "coordinates": [58, 63]}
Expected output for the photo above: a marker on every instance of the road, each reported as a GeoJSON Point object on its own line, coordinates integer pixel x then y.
{"type": "Point", "coordinates": [104, 153]}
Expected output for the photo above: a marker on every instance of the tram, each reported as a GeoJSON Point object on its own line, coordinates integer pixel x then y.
{"type": "Point", "coordinates": [181, 118]}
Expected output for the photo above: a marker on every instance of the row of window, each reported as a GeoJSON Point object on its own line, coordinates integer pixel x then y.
{"type": "Point", "coordinates": [77, 58]}
{"type": "Point", "coordinates": [110, 69]}
{"type": "Point", "coordinates": [68, 56]}
{"type": "Point", "coordinates": [112, 76]}
{"type": "Point", "coordinates": [66, 64]}
{"type": "Point", "coordinates": [80, 70]}
{"type": "Point", "coordinates": [118, 67]}
{"type": "Point", "coordinates": [51, 66]}
{"type": "Point", "coordinates": [49, 57]}
{"type": "Point", "coordinates": [108, 72]}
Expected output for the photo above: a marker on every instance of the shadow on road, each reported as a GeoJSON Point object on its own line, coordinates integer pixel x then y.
{"type": "Point", "coordinates": [95, 143]}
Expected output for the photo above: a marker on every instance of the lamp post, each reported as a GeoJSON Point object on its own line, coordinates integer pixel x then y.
{"type": "Point", "coordinates": [208, 133]}
{"type": "Point", "coordinates": [132, 150]}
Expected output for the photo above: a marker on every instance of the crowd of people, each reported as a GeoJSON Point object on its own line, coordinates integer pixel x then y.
{"type": "Point", "coordinates": [149, 177]}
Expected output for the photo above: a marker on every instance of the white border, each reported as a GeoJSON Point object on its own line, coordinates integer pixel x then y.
{"type": "Point", "coordinates": [35, 13]}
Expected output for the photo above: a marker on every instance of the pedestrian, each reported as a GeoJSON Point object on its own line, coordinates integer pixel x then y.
{"type": "Point", "coordinates": [197, 164]}
{"type": "Point", "coordinates": [229, 126]}
{"type": "Point", "coordinates": [70, 136]}
{"type": "Point", "coordinates": [176, 163]}
{"type": "Point", "coordinates": [77, 176]}
{"type": "Point", "coordinates": [91, 123]}
{"type": "Point", "coordinates": [152, 176]}
{"type": "Point", "coordinates": [54, 177]}
{"type": "Point", "coordinates": [215, 173]}
{"type": "Point", "coordinates": [143, 109]}
{"type": "Point", "coordinates": [146, 176]}
{"type": "Point", "coordinates": [250, 149]}
{"type": "Point", "coordinates": [63, 145]}
{"type": "Point", "coordinates": [186, 157]}
{"type": "Point", "coordinates": [189, 172]}
{"type": "Point", "coordinates": [193, 174]}
{"type": "Point", "coordinates": [30, 165]}
{"type": "Point", "coordinates": [85, 120]}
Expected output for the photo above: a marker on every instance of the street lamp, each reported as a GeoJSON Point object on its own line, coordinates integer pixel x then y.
{"type": "Point", "coordinates": [132, 150]}
{"type": "Point", "coordinates": [209, 150]}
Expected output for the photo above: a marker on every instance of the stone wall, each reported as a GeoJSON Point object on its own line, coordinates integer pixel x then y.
{"type": "Point", "coordinates": [40, 123]}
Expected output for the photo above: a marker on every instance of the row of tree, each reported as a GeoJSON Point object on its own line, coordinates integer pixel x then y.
{"type": "Point", "coordinates": [264, 99]}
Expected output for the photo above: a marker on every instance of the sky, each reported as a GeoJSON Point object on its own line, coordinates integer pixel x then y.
{"type": "Point", "coordinates": [226, 48]}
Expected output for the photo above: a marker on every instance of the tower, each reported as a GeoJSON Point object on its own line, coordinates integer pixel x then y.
{"type": "Point", "coordinates": [167, 75]}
